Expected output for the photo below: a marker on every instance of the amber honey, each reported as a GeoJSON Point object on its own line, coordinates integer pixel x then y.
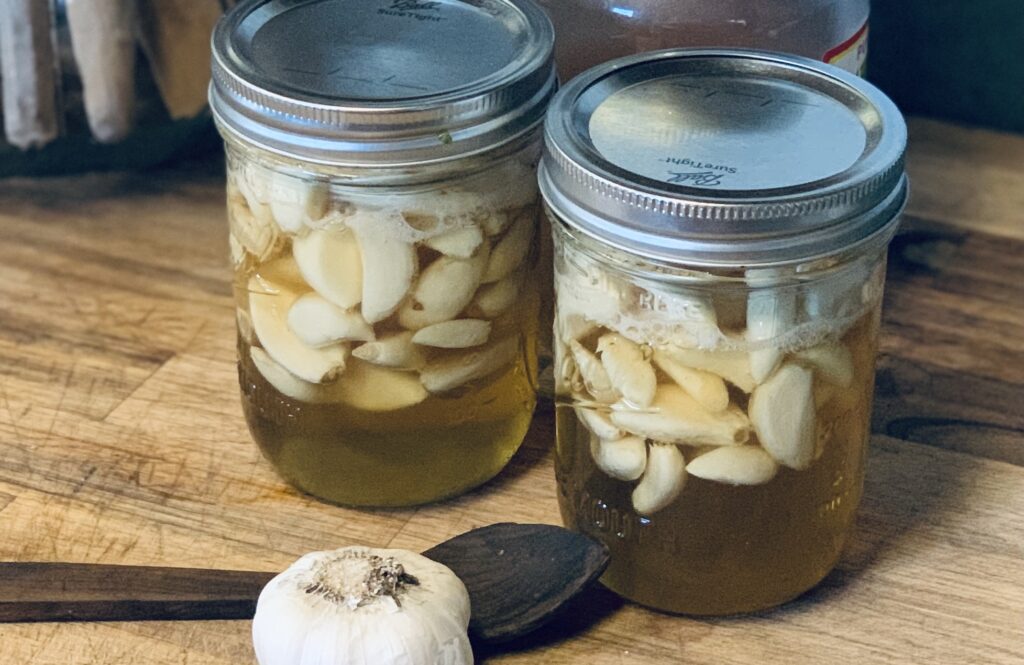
{"type": "Point", "coordinates": [724, 549]}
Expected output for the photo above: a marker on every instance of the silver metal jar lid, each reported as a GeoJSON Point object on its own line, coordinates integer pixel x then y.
{"type": "Point", "coordinates": [390, 82]}
{"type": "Point", "coordinates": [724, 157]}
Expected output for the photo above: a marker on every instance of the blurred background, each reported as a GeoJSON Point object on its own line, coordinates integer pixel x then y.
{"type": "Point", "coordinates": [116, 84]}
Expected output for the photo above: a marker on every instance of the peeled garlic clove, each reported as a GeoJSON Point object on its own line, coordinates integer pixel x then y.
{"type": "Point", "coordinates": [598, 423]}
{"type": "Point", "coordinates": [396, 351]}
{"type": "Point", "coordinates": [735, 465]}
{"type": "Point", "coordinates": [782, 412]}
{"type": "Point", "coordinates": [733, 366]}
{"type": "Point", "coordinates": [253, 185]}
{"type": "Point", "coordinates": [594, 375]}
{"type": "Point", "coordinates": [493, 299]}
{"type": "Point", "coordinates": [460, 243]}
{"type": "Point", "coordinates": [369, 387]}
{"type": "Point", "coordinates": [456, 334]}
{"type": "Point", "coordinates": [663, 480]}
{"type": "Point", "coordinates": [363, 606]}
{"type": "Point", "coordinates": [319, 323]}
{"type": "Point", "coordinates": [295, 202]}
{"type": "Point", "coordinates": [708, 389]}
{"type": "Point", "coordinates": [565, 368]}
{"type": "Point", "coordinates": [630, 373]}
{"type": "Point", "coordinates": [269, 303]}
{"type": "Point", "coordinates": [764, 361]}
{"type": "Point", "coordinates": [389, 265]}
{"type": "Point", "coordinates": [770, 313]}
{"type": "Point", "coordinates": [244, 323]}
{"type": "Point", "coordinates": [331, 263]}
{"type": "Point", "coordinates": [460, 333]}
{"type": "Point", "coordinates": [832, 361]}
{"type": "Point", "coordinates": [622, 459]}
{"type": "Point", "coordinates": [237, 251]}
{"type": "Point", "coordinates": [444, 289]}
{"type": "Point", "coordinates": [675, 417]}
{"type": "Point", "coordinates": [259, 237]}
{"type": "Point", "coordinates": [451, 372]}
{"type": "Point", "coordinates": [495, 222]}
{"type": "Point", "coordinates": [285, 382]}
{"type": "Point", "coordinates": [513, 247]}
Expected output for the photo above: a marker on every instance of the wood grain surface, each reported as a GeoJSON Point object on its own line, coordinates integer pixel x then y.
{"type": "Point", "coordinates": [122, 440]}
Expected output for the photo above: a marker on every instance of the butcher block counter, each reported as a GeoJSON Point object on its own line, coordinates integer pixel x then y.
{"type": "Point", "coordinates": [122, 438]}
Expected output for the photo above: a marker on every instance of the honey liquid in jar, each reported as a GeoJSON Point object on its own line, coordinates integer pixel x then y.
{"type": "Point", "coordinates": [429, 397]}
{"type": "Point", "coordinates": [721, 220]}
{"type": "Point", "coordinates": [723, 548]}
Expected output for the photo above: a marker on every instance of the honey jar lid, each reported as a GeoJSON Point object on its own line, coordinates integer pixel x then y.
{"type": "Point", "coordinates": [724, 157]}
{"type": "Point", "coordinates": [391, 82]}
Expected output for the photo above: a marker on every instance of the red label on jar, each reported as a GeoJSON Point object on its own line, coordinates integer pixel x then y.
{"type": "Point", "coordinates": [852, 54]}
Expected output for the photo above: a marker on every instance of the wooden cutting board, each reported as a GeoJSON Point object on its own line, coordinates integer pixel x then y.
{"type": "Point", "coordinates": [122, 441]}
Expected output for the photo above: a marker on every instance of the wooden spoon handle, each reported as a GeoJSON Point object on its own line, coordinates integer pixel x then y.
{"type": "Point", "coordinates": [518, 576]}
{"type": "Point", "coordinates": [98, 592]}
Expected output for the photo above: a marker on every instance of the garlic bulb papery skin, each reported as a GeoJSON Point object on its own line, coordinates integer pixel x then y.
{"type": "Point", "coordinates": [363, 606]}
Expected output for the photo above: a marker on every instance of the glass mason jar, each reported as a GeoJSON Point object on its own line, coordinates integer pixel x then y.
{"type": "Point", "coordinates": [590, 32]}
{"type": "Point", "coordinates": [383, 215]}
{"type": "Point", "coordinates": [721, 220]}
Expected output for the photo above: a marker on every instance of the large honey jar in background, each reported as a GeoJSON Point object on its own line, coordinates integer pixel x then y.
{"type": "Point", "coordinates": [383, 212]}
{"type": "Point", "coordinates": [721, 223]}
{"type": "Point", "coordinates": [590, 32]}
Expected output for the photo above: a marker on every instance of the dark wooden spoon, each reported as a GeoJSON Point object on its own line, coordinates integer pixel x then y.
{"type": "Point", "coordinates": [518, 577]}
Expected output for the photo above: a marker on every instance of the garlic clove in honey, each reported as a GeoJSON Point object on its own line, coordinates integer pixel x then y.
{"type": "Point", "coordinates": [832, 361]}
{"type": "Point", "coordinates": [369, 387]}
{"type": "Point", "coordinates": [461, 243]}
{"type": "Point", "coordinates": [513, 247]}
{"type": "Point", "coordinates": [675, 417]}
{"type": "Point", "coordinates": [395, 350]}
{"type": "Point", "coordinates": [269, 303]}
{"type": "Point", "coordinates": [733, 366]}
{"type": "Point", "coordinates": [622, 459]}
{"type": "Point", "coordinates": [331, 263]}
{"type": "Point", "coordinates": [770, 313]}
{"type": "Point", "coordinates": [734, 465]}
{"type": "Point", "coordinates": [592, 371]}
{"type": "Point", "coordinates": [259, 237]}
{"type": "Point", "coordinates": [629, 371]}
{"type": "Point", "coordinates": [444, 289]}
{"type": "Point", "coordinates": [284, 381]}
{"type": "Point", "coordinates": [599, 424]}
{"type": "Point", "coordinates": [493, 299]}
{"type": "Point", "coordinates": [453, 371]}
{"type": "Point", "coordinates": [295, 203]}
{"type": "Point", "coordinates": [389, 265]}
{"type": "Point", "coordinates": [662, 481]}
{"type": "Point", "coordinates": [782, 412]}
{"type": "Point", "coordinates": [708, 389]}
{"type": "Point", "coordinates": [454, 334]}
{"type": "Point", "coordinates": [318, 322]}
{"type": "Point", "coordinates": [362, 606]}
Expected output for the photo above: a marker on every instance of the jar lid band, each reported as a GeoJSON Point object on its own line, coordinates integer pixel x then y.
{"type": "Point", "coordinates": [389, 82]}
{"type": "Point", "coordinates": [724, 156]}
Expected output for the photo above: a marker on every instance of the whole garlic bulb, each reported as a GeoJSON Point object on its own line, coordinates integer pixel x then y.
{"type": "Point", "coordinates": [362, 606]}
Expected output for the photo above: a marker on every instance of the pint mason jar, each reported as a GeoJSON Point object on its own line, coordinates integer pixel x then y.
{"type": "Point", "coordinates": [721, 220]}
{"type": "Point", "coordinates": [383, 219]}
